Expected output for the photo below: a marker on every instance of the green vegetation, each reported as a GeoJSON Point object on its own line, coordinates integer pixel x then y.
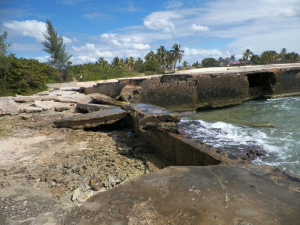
{"type": "Point", "coordinates": [25, 76]}
{"type": "Point", "coordinates": [266, 57]}
{"type": "Point", "coordinates": [5, 125]}
{"type": "Point", "coordinates": [209, 62]}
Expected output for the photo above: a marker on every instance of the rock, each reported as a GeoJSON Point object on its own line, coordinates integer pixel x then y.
{"type": "Point", "coordinates": [30, 109]}
{"type": "Point", "coordinates": [91, 120]}
{"type": "Point", "coordinates": [8, 107]}
{"type": "Point", "coordinates": [76, 194]}
{"type": "Point", "coordinates": [61, 108]}
{"type": "Point", "coordinates": [110, 181]}
{"type": "Point", "coordinates": [125, 150]}
{"type": "Point", "coordinates": [242, 195]}
{"type": "Point", "coordinates": [96, 184]}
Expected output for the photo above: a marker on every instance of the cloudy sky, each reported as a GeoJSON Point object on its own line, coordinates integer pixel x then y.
{"type": "Point", "coordinates": [203, 28]}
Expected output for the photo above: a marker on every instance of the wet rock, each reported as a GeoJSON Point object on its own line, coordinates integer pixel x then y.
{"type": "Point", "coordinates": [253, 154]}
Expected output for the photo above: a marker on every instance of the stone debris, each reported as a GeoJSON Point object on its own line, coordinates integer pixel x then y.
{"type": "Point", "coordinates": [8, 107]}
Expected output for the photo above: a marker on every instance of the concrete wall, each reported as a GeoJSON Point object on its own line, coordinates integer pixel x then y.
{"type": "Point", "coordinates": [287, 82]}
{"type": "Point", "coordinates": [180, 92]}
{"type": "Point", "coordinates": [189, 92]}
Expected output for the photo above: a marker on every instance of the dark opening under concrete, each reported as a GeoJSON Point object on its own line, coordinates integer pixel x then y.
{"type": "Point", "coordinates": [261, 84]}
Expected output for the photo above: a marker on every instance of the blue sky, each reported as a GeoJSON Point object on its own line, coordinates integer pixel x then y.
{"type": "Point", "coordinates": [93, 29]}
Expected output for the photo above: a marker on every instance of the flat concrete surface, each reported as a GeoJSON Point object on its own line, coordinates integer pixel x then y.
{"type": "Point", "coordinates": [237, 69]}
{"type": "Point", "coordinates": [237, 195]}
{"type": "Point", "coordinates": [94, 119]}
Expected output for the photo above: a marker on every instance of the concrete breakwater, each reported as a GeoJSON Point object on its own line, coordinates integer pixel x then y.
{"type": "Point", "coordinates": [180, 92]}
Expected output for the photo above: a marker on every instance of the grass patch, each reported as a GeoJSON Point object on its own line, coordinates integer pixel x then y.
{"type": "Point", "coordinates": [5, 127]}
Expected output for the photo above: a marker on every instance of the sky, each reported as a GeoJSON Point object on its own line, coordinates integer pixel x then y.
{"type": "Point", "coordinates": [203, 28]}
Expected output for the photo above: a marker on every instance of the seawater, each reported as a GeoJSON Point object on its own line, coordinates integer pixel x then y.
{"type": "Point", "coordinates": [272, 125]}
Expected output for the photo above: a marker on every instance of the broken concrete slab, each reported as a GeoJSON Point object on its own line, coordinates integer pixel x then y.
{"type": "Point", "coordinates": [88, 108]}
{"type": "Point", "coordinates": [130, 93]}
{"type": "Point", "coordinates": [104, 99]}
{"type": "Point", "coordinates": [74, 98]}
{"type": "Point", "coordinates": [47, 105]}
{"type": "Point", "coordinates": [33, 98]}
{"type": "Point", "coordinates": [8, 106]}
{"type": "Point", "coordinates": [144, 114]}
{"type": "Point", "coordinates": [214, 195]}
{"type": "Point", "coordinates": [158, 127]}
{"type": "Point", "coordinates": [91, 120]}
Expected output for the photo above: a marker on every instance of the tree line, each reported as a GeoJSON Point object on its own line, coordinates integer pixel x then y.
{"type": "Point", "coordinates": [266, 57]}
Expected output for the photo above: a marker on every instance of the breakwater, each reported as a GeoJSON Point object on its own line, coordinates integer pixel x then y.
{"type": "Point", "coordinates": [181, 92]}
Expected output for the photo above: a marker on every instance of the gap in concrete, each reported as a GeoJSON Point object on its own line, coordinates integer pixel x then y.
{"type": "Point", "coordinates": [261, 84]}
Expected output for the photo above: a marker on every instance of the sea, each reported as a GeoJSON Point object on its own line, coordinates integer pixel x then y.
{"type": "Point", "coordinates": [270, 125]}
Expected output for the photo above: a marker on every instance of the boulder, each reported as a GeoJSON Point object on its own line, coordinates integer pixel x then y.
{"type": "Point", "coordinates": [91, 120]}
{"type": "Point", "coordinates": [213, 195]}
{"type": "Point", "coordinates": [8, 107]}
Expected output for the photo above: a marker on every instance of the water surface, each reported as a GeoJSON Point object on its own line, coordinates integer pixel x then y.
{"type": "Point", "coordinates": [272, 125]}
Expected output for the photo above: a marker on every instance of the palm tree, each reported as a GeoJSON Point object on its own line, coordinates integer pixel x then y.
{"type": "Point", "coordinates": [282, 54]}
{"type": "Point", "coordinates": [185, 64]}
{"type": "Point", "coordinates": [170, 58]}
{"type": "Point", "coordinates": [102, 62]}
{"type": "Point", "coordinates": [150, 56]}
{"type": "Point", "coordinates": [116, 62]}
{"type": "Point", "coordinates": [177, 54]}
{"type": "Point", "coordinates": [269, 56]}
{"type": "Point", "coordinates": [232, 58]}
{"type": "Point", "coordinates": [220, 60]}
{"type": "Point", "coordinates": [161, 57]}
{"type": "Point", "coordinates": [196, 64]}
{"type": "Point", "coordinates": [247, 54]}
{"type": "Point", "coordinates": [130, 62]}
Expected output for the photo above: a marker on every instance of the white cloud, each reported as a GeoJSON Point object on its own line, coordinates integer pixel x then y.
{"type": "Point", "coordinates": [67, 40]}
{"type": "Point", "coordinates": [204, 53]}
{"type": "Point", "coordinates": [29, 28]}
{"type": "Point", "coordinates": [160, 24]}
{"type": "Point", "coordinates": [43, 59]}
{"type": "Point", "coordinates": [173, 4]}
{"type": "Point", "coordinates": [87, 47]}
{"type": "Point", "coordinates": [199, 28]}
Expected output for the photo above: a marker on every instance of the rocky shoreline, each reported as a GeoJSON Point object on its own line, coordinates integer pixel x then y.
{"type": "Point", "coordinates": [44, 168]}
{"type": "Point", "coordinates": [73, 158]}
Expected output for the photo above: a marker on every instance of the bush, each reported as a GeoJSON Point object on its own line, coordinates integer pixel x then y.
{"type": "Point", "coordinates": [25, 76]}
